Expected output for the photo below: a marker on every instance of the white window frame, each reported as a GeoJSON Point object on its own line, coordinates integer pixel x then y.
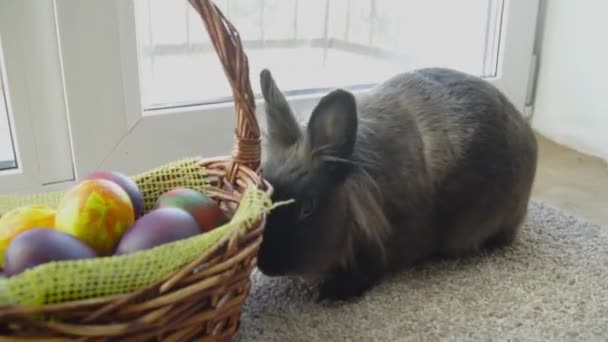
{"type": "Point", "coordinates": [109, 130]}
{"type": "Point", "coordinates": [35, 99]}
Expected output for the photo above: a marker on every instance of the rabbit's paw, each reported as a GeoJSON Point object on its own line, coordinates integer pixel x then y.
{"type": "Point", "coordinates": [344, 285]}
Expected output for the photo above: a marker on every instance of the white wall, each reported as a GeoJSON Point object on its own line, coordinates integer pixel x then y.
{"type": "Point", "coordinates": [571, 104]}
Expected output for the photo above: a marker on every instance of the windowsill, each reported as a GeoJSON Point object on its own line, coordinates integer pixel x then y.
{"type": "Point", "coordinates": [7, 165]}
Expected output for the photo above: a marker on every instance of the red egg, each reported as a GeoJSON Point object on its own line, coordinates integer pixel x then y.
{"type": "Point", "coordinates": [128, 185]}
{"type": "Point", "coordinates": [158, 227]}
{"type": "Point", "coordinates": [205, 210]}
{"type": "Point", "coordinates": [42, 245]}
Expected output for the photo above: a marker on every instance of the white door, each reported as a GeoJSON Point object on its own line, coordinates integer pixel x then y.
{"type": "Point", "coordinates": [144, 86]}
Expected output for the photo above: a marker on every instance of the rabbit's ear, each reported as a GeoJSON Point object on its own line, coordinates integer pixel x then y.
{"type": "Point", "coordinates": [282, 125]}
{"type": "Point", "coordinates": [332, 128]}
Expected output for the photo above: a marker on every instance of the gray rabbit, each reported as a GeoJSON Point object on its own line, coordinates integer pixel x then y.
{"type": "Point", "coordinates": [430, 163]}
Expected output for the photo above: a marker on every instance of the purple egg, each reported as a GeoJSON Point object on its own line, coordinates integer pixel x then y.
{"type": "Point", "coordinates": [158, 227]}
{"type": "Point", "coordinates": [41, 245]}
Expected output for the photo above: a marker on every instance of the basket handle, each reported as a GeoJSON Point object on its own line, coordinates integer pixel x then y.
{"type": "Point", "coordinates": [227, 43]}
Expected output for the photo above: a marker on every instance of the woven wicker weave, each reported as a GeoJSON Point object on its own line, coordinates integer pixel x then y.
{"type": "Point", "coordinates": [185, 305]}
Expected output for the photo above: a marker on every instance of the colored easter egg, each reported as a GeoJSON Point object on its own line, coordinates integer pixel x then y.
{"type": "Point", "coordinates": [205, 210]}
{"type": "Point", "coordinates": [158, 227]}
{"type": "Point", "coordinates": [42, 245]}
{"type": "Point", "coordinates": [127, 184]}
{"type": "Point", "coordinates": [22, 219]}
{"type": "Point", "coordinates": [98, 212]}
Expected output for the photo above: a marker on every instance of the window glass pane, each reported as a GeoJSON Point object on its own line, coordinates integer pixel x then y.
{"type": "Point", "coordinates": [312, 44]}
{"type": "Point", "coordinates": [7, 152]}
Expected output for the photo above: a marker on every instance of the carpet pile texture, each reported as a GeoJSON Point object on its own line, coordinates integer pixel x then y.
{"type": "Point", "coordinates": [551, 285]}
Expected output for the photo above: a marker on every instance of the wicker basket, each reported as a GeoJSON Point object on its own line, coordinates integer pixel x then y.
{"type": "Point", "coordinates": [186, 305]}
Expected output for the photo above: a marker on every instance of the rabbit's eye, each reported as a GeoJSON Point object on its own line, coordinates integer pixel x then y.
{"type": "Point", "coordinates": [307, 208]}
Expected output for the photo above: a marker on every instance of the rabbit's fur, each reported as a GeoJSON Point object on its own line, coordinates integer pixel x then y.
{"type": "Point", "coordinates": [433, 162]}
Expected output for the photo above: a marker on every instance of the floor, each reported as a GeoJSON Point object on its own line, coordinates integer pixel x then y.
{"type": "Point", "coordinates": [570, 180]}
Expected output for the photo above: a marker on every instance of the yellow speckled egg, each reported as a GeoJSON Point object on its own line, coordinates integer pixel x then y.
{"type": "Point", "coordinates": [96, 211]}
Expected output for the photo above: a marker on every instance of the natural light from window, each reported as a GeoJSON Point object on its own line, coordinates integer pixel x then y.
{"type": "Point", "coordinates": [7, 154]}
{"type": "Point", "coordinates": [312, 44]}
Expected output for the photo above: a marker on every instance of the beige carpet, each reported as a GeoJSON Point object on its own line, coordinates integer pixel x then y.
{"type": "Point", "coordinates": [550, 286]}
